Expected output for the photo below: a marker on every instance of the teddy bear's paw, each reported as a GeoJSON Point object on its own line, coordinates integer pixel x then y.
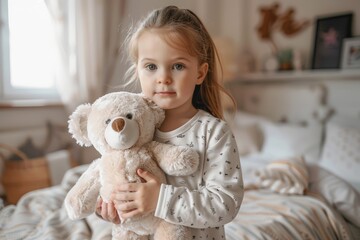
{"type": "Point", "coordinates": [119, 233]}
{"type": "Point", "coordinates": [185, 163]}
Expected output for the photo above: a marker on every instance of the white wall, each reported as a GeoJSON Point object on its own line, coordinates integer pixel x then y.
{"type": "Point", "coordinates": [343, 95]}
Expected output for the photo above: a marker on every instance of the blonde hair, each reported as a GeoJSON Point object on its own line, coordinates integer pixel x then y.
{"type": "Point", "coordinates": [184, 27]}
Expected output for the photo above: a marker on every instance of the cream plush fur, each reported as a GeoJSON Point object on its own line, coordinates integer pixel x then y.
{"type": "Point", "coordinates": [121, 126]}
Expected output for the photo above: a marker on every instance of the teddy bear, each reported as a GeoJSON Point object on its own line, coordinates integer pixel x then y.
{"type": "Point", "coordinates": [121, 126]}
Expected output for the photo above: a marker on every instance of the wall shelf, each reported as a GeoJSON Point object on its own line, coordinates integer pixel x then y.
{"type": "Point", "coordinates": [336, 74]}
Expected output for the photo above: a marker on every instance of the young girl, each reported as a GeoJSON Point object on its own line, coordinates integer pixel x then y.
{"type": "Point", "coordinates": [174, 58]}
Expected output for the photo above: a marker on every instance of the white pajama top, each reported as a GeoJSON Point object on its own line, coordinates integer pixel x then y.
{"type": "Point", "coordinates": [211, 197]}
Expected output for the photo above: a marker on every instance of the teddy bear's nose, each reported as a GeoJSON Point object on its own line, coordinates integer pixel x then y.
{"type": "Point", "coordinates": [118, 124]}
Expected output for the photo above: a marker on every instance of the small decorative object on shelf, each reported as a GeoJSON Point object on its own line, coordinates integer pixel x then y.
{"type": "Point", "coordinates": [272, 20]}
{"type": "Point", "coordinates": [285, 58]}
{"type": "Point", "coordinates": [271, 64]}
{"type": "Point", "coordinates": [297, 60]}
{"type": "Point", "coordinates": [351, 53]}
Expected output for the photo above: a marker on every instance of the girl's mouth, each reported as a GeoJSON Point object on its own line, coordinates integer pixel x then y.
{"type": "Point", "coordinates": [166, 93]}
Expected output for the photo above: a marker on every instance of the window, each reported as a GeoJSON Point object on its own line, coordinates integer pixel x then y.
{"type": "Point", "coordinates": [27, 48]}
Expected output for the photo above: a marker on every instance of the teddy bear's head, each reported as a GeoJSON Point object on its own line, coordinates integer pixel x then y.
{"type": "Point", "coordinates": [118, 120]}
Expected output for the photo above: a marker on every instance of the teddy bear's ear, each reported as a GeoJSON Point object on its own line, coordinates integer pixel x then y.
{"type": "Point", "coordinates": [158, 112]}
{"type": "Point", "coordinates": [78, 124]}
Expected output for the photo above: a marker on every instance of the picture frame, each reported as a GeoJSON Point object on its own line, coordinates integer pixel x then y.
{"type": "Point", "coordinates": [351, 53]}
{"type": "Point", "coordinates": [329, 34]}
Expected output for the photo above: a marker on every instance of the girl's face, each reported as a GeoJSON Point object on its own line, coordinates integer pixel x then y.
{"type": "Point", "coordinates": [167, 75]}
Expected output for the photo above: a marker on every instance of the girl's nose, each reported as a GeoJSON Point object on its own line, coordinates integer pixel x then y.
{"type": "Point", "coordinates": [164, 78]}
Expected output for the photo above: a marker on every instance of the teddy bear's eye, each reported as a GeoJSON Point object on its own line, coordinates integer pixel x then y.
{"type": "Point", "coordinates": [108, 121]}
{"type": "Point", "coordinates": [129, 116]}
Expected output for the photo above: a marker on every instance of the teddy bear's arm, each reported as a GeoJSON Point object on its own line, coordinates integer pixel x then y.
{"type": "Point", "coordinates": [81, 199]}
{"type": "Point", "coordinates": [175, 160]}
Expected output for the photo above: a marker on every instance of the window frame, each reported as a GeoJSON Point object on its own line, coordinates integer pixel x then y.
{"type": "Point", "coordinates": [7, 91]}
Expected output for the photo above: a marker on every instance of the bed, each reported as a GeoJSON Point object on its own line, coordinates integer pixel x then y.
{"type": "Point", "coordinates": [300, 162]}
{"type": "Point", "coordinates": [300, 183]}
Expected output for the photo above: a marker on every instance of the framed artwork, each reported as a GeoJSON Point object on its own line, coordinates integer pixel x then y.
{"type": "Point", "coordinates": [351, 53]}
{"type": "Point", "coordinates": [329, 35]}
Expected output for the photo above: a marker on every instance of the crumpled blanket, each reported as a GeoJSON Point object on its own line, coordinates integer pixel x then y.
{"type": "Point", "coordinates": [277, 205]}
{"type": "Point", "coordinates": [288, 176]}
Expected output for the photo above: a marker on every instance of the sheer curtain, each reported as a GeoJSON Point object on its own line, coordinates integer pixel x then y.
{"type": "Point", "coordinates": [88, 40]}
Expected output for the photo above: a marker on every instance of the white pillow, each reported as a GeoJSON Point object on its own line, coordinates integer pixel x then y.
{"type": "Point", "coordinates": [336, 192]}
{"type": "Point", "coordinates": [287, 140]}
{"type": "Point", "coordinates": [244, 118]}
{"type": "Point", "coordinates": [248, 139]}
{"type": "Point", "coordinates": [247, 132]}
{"type": "Point", "coordinates": [341, 153]}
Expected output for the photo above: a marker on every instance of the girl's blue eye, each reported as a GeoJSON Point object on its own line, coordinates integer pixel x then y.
{"type": "Point", "coordinates": [151, 67]}
{"type": "Point", "coordinates": [178, 66]}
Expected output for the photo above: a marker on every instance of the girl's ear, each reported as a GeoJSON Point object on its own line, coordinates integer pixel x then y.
{"type": "Point", "coordinates": [203, 70]}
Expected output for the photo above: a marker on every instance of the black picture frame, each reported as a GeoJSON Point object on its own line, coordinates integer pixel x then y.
{"type": "Point", "coordinates": [329, 34]}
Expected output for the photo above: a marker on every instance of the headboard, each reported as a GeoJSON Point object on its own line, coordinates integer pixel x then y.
{"type": "Point", "coordinates": [302, 103]}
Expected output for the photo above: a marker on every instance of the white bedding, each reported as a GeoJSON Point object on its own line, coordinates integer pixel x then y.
{"type": "Point", "coordinates": [266, 213]}
{"type": "Point", "coordinates": [315, 209]}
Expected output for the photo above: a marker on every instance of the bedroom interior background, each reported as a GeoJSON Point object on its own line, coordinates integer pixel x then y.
{"type": "Point", "coordinates": [316, 110]}
{"type": "Point", "coordinates": [342, 87]}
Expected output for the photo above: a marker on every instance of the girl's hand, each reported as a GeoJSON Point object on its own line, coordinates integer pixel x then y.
{"type": "Point", "coordinates": [132, 199]}
{"type": "Point", "coordinates": [107, 211]}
